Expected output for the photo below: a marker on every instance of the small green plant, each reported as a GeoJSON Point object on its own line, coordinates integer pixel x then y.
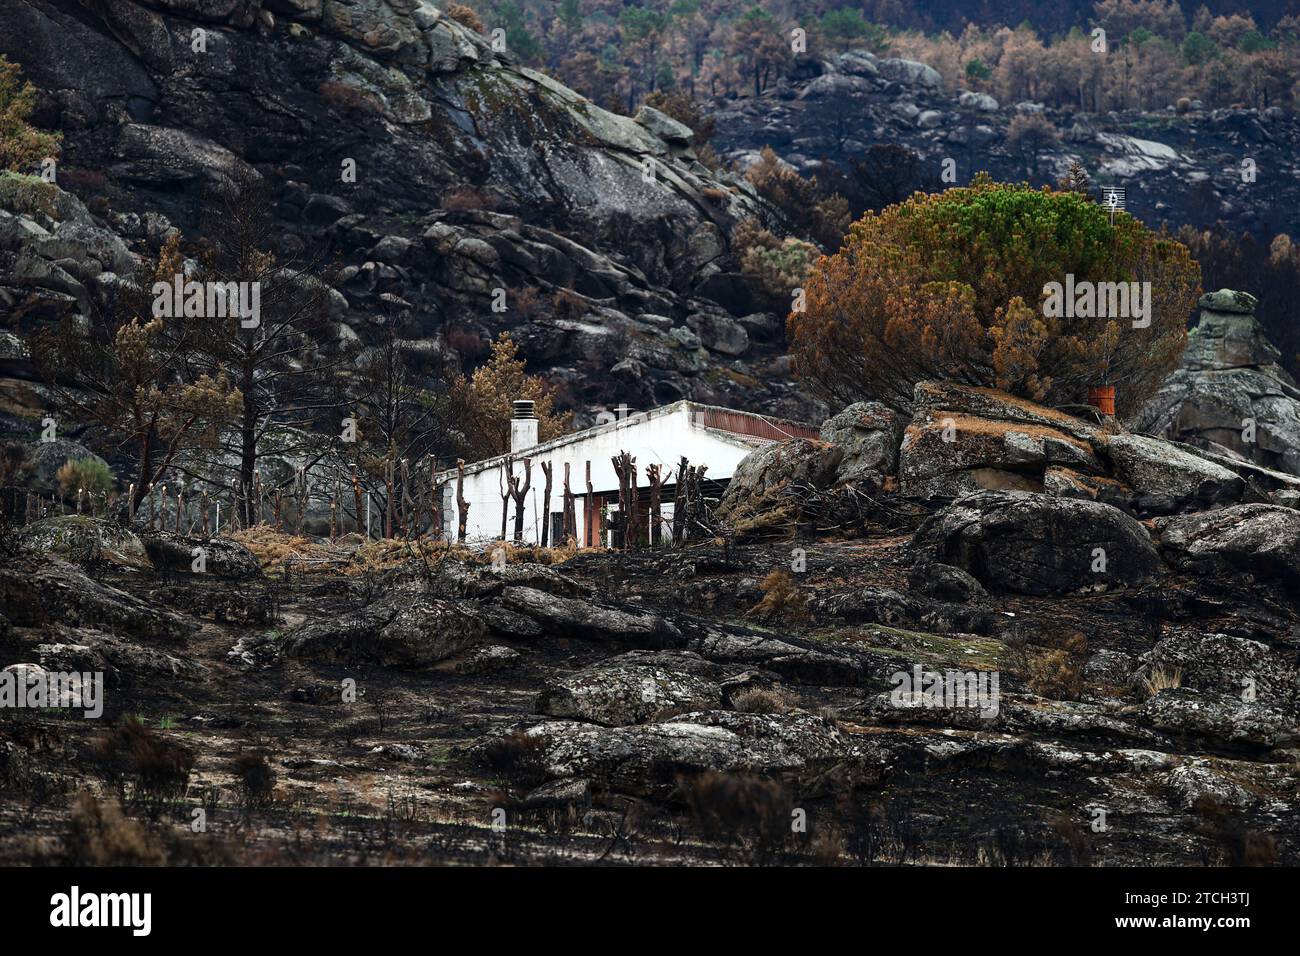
{"type": "Point", "coordinates": [84, 474]}
{"type": "Point", "coordinates": [21, 144]}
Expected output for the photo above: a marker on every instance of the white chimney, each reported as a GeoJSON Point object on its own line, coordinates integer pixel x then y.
{"type": "Point", "coordinates": [523, 427]}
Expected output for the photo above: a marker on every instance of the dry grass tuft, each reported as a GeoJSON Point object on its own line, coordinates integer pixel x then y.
{"type": "Point", "coordinates": [272, 548]}
{"type": "Point", "coordinates": [758, 700]}
{"type": "Point", "coordinates": [781, 598]}
{"type": "Point", "coordinates": [1160, 679]}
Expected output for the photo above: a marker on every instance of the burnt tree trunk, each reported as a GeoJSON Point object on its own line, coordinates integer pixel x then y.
{"type": "Point", "coordinates": [623, 468]}
{"type": "Point", "coordinates": [517, 492]}
{"type": "Point", "coordinates": [462, 506]}
{"type": "Point", "coordinates": [356, 503]}
{"type": "Point", "coordinates": [679, 503]}
{"type": "Point", "coordinates": [588, 510]}
{"type": "Point", "coordinates": [570, 533]}
{"type": "Point", "coordinates": [388, 503]}
{"type": "Point", "coordinates": [656, 513]}
{"type": "Point", "coordinates": [406, 499]}
{"type": "Point", "coordinates": [547, 469]}
{"type": "Point", "coordinates": [503, 486]}
{"type": "Point", "coordinates": [633, 525]}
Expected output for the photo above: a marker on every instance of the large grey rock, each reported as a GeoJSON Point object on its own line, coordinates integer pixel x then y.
{"type": "Point", "coordinates": [399, 630]}
{"type": "Point", "coordinates": [909, 72]}
{"type": "Point", "coordinates": [963, 439]}
{"type": "Point", "coordinates": [121, 661]}
{"type": "Point", "coordinates": [35, 592]}
{"type": "Point", "coordinates": [1166, 477]}
{"type": "Point", "coordinates": [1193, 782]}
{"type": "Point", "coordinates": [572, 618]}
{"type": "Point", "coordinates": [221, 557]}
{"type": "Point", "coordinates": [1228, 300]}
{"type": "Point", "coordinates": [378, 25]}
{"type": "Point", "coordinates": [719, 333]}
{"type": "Point", "coordinates": [80, 539]}
{"type": "Point", "coordinates": [769, 485]}
{"type": "Point", "coordinates": [47, 457]}
{"type": "Point", "coordinates": [1236, 666]}
{"type": "Point", "coordinates": [1220, 717]}
{"type": "Point", "coordinates": [167, 156]}
{"type": "Point", "coordinates": [868, 433]}
{"type": "Point", "coordinates": [797, 660]}
{"type": "Point", "coordinates": [649, 759]}
{"type": "Point", "coordinates": [980, 102]}
{"type": "Point", "coordinates": [1260, 539]}
{"type": "Point", "coordinates": [1037, 544]}
{"type": "Point", "coordinates": [627, 691]}
{"type": "Point", "coordinates": [664, 126]}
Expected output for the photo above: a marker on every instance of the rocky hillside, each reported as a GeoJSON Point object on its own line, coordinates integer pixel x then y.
{"type": "Point", "coordinates": [1134, 599]}
{"type": "Point", "coordinates": [472, 174]}
{"type": "Point", "coordinates": [1176, 167]}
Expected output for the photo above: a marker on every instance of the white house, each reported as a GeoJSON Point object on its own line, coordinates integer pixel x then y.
{"type": "Point", "coordinates": [705, 435]}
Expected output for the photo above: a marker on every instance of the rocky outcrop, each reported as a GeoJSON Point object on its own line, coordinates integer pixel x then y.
{"type": "Point", "coordinates": [221, 557]}
{"type": "Point", "coordinates": [1035, 544]}
{"type": "Point", "coordinates": [80, 539]}
{"type": "Point", "coordinates": [631, 689]}
{"type": "Point", "coordinates": [36, 592]}
{"type": "Point", "coordinates": [399, 630]}
{"type": "Point", "coordinates": [1230, 395]}
{"type": "Point", "coordinates": [833, 112]}
{"type": "Point", "coordinates": [543, 192]}
{"type": "Point", "coordinates": [1258, 539]}
{"type": "Point", "coordinates": [961, 440]}
{"type": "Point", "coordinates": [572, 618]}
{"type": "Point", "coordinates": [650, 759]}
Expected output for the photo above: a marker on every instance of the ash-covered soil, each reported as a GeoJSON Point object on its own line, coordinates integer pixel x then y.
{"type": "Point", "coordinates": [709, 705]}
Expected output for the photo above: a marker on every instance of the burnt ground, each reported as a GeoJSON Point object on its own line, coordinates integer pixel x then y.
{"type": "Point", "coordinates": [286, 772]}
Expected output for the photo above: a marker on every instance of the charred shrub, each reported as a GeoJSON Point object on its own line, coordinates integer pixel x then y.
{"type": "Point", "coordinates": [518, 757]}
{"type": "Point", "coordinates": [155, 768]}
{"type": "Point", "coordinates": [255, 778]}
{"type": "Point", "coordinates": [1233, 843]}
{"type": "Point", "coordinates": [100, 834]}
{"type": "Point", "coordinates": [742, 810]}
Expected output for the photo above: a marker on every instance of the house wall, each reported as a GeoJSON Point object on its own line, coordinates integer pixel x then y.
{"type": "Point", "coordinates": [659, 440]}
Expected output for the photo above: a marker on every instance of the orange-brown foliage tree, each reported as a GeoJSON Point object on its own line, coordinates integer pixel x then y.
{"type": "Point", "coordinates": [953, 286]}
